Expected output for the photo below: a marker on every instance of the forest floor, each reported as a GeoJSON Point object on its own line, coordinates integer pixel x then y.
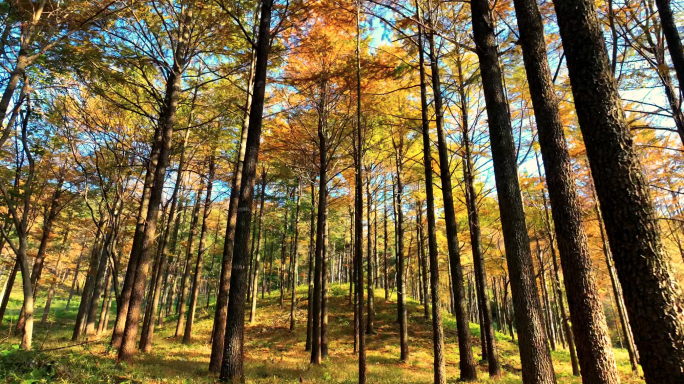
{"type": "Point", "coordinates": [272, 353]}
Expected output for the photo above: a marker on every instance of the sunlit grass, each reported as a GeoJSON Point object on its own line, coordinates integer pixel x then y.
{"type": "Point", "coordinates": [272, 353]}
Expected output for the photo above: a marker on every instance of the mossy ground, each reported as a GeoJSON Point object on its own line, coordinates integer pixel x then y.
{"type": "Point", "coordinates": [272, 353]}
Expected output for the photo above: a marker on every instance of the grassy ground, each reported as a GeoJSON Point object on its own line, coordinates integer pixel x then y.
{"type": "Point", "coordinates": [272, 353]}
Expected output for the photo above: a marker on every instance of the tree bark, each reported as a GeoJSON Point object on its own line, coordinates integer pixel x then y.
{"type": "Point", "coordinates": [651, 294]}
{"type": "Point", "coordinates": [535, 356]}
{"type": "Point", "coordinates": [233, 354]}
{"type": "Point", "coordinates": [295, 266]}
{"type": "Point", "coordinates": [474, 225]}
{"type": "Point", "coordinates": [674, 42]}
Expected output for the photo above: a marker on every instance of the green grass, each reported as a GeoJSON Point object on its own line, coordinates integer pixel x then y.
{"type": "Point", "coordinates": [272, 353]}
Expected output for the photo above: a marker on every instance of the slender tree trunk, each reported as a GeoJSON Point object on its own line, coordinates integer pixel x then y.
{"type": "Point", "coordinates": [358, 203]}
{"type": "Point", "coordinates": [295, 266]}
{"type": "Point", "coordinates": [385, 255]}
{"type": "Point", "coordinates": [309, 307]}
{"type": "Point", "coordinates": [327, 254]}
{"type": "Point", "coordinates": [401, 283]}
{"type": "Point", "coordinates": [233, 354]}
{"type": "Point", "coordinates": [467, 363]}
{"type": "Point", "coordinates": [257, 253]}
{"type": "Point", "coordinates": [369, 257]}
{"type": "Point", "coordinates": [474, 225]}
{"type": "Point", "coordinates": [651, 294]}
{"type": "Point", "coordinates": [7, 290]}
{"type": "Point", "coordinates": [185, 280]}
{"type": "Point", "coordinates": [187, 335]}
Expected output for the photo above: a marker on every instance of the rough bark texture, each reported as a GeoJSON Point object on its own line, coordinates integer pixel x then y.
{"type": "Point", "coordinates": [233, 354]}
{"type": "Point", "coordinates": [535, 356]}
{"type": "Point", "coordinates": [652, 296]}
{"type": "Point", "coordinates": [591, 332]}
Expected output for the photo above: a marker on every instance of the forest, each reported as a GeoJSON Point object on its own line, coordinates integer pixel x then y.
{"type": "Point", "coordinates": [342, 191]}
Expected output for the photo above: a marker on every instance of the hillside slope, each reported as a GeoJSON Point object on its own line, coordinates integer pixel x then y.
{"type": "Point", "coordinates": [273, 354]}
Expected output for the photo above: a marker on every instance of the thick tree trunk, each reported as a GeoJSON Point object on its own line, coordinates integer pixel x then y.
{"type": "Point", "coordinates": [617, 293]}
{"type": "Point", "coordinates": [219, 332]}
{"type": "Point", "coordinates": [233, 354]}
{"type": "Point", "coordinates": [591, 332]}
{"type": "Point", "coordinates": [126, 289]}
{"type": "Point", "coordinates": [651, 294]}
{"type": "Point", "coordinates": [165, 138]}
{"type": "Point", "coordinates": [187, 335]}
{"type": "Point", "coordinates": [535, 356]}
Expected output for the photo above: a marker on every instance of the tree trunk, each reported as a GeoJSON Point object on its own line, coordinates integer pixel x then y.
{"type": "Point", "coordinates": [257, 253]}
{"type": "Point", "coordinates": [325, 274]}
{"type": "Point", "coordinates": [126, 289]}
{"type": "Point", "coordinates": [187, 335]}
{"type": "Point", "coordinates": [309, 305]}
{"type": "Point", "coordinates": [402, 311]}
{"type": "Point", "coordinates": [474, 224]}
{"type": "Point", "coordinates": [651, 294]}
{"type": "Point", "coordinates": [467, 363]}
{"type": "Point", "coordinates": [320, 232]}
{"type": "Point", "coordinates": [233, 354]}
{"type": "Point", "coordinates": [591, 332]}
{"type": "Point", "coordinates": [185, 280]}
{"type": "Point", "coordinates": [535, 356]}
{"type": "Point", "coordinates": [369, 257]}
{"type": "Point", "coordinates": [617, 293]}
{"type": "Point", "coordinates": [167, 119]}
{"type": "Point", "coordinates": [358, 203]}
{"type": "Point", "coordinates": [674, 43]}
{"type": "Point", "coordinates": [221, 314]}
{"type": "Point", "coordinates": [295, 266]}
{"type": "Point", "coordinates": [7, 290]}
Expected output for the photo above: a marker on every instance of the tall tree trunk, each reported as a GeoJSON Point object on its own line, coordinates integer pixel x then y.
{"type": "Point", "coordinates": [187, 335]}
{"type": "Point", "coordinates": [369, 257]}
{"type": "Point", "coordinates": [257, 252]}
{"type": "Point", "coordinates": [617, 293]}
{"type": "Point", "coordinates": [126, 289]}
{"type": "Point", "coordinates": [402, 311]}
{"type": "Point", "coordinates": [233, 354]}
{"type": "Point", "coordinates": [385, 255]}
{"type": "Point", "coordinates": [185, 280]}
{"type": "Point", "coordinates": [422, 262]}
{"type": "Point", "coordinates": [358, 203]}
{"type": "Point", "coordinates": [219, 332]}
{"type": "Point", "coordinates": [535, 356]}
{"type": "Point", "coordinates": [295, 266]}
{"type": "Point", "coordinates": [309, 305]}
{"type": "Point", "coordinates": [651, 294]}
{"type": "Point", "coordinates": [467, 363]}
{"type": "Point", "coordinates": [474, 223]}
{"type": "Point", "coordinates": [325, 275]}
{"type": "Point", "coordinates": [320, 231]}
{"type": "Point", "coordinates": [167, 118]}
{"type": "Point", "coordinates": [591, 332]}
